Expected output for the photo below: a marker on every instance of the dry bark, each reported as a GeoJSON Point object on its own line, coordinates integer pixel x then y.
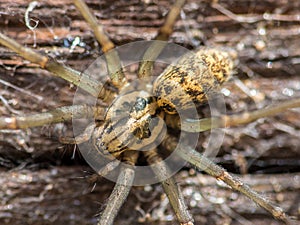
{"type": "Point", "coordinates": [40, 178]}
{"type": "Point", "coordinates": [61, 195]}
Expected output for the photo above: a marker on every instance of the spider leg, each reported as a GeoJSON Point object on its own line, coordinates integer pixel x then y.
{"type": "Point", "coordinates": [203, 163]}
{"type": "Point", "coordinates": [108, 168]}
{"type": "Point", "coordinates": [200, 125]}
{"type": "Point", "coordinates": [81, 138]}
{"type": "Point", "coordinates": [118, 196]}
{"type": "Point", "coordinates": [112, 57]}
{"type": "Point", "coordinates": [121, 189]}
{"type": "Point", "coordinates": [146, 65]}
{"type": "Point", "coordinates": [54, 116]}
{"type": "Point", "coordinates": [170, 186]}
{"type": "Point", "coordinates": [82, 80]}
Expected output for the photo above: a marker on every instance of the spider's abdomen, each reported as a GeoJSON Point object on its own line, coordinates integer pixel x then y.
{"type": "Point", "coordinates": [192, 79]}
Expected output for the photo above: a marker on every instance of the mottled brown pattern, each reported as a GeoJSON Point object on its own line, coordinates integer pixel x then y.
{"type": "Point", "coordinates": [196, 76]}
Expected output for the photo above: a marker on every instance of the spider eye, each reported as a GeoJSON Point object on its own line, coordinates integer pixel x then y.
{"type": "Point", "coordinates": [169, 108]}
{"type": "Point", "coordinates": [140, 104]}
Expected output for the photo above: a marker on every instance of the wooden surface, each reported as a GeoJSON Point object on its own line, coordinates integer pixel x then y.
{"type": "Point", "coordinates": [42, 183]}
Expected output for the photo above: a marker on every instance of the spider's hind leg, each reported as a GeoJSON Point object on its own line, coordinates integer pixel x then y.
{"type": "Point", "coordinates": [200, 125]}
{"type": "Point", "coordinates": [203, 163]}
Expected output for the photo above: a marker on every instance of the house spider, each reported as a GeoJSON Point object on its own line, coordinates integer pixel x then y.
{"type": "Point", "coordinates": [143, 106]}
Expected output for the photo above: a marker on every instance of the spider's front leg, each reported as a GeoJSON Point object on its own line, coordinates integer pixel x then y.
{"type": "Point", "coordinates": [82, 80]}
{"type": "Point", "coordinates": [60, 70]}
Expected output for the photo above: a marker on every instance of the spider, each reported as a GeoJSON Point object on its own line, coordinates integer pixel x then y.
{"type": "Point", "coordinates": [142, 107]}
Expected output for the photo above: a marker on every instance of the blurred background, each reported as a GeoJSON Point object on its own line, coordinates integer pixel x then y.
{"type": "Point", "coordinates": [45, 182]}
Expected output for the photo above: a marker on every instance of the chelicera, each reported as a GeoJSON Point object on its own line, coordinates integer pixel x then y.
{"type": "Point", "coordinates": [132, 131]}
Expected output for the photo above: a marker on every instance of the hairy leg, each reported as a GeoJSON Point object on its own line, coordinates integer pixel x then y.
{"type": "Point", "coordinates": [82, 80]}
{"type": "Point", "coordinates": [200, 125]}
{"type": "Point", "coordinates": [170, 186]}
{"type": "Point", "coordinates": [203, 163]}
{"type": "Point", "coordinates": [113, 61]}
{"type": "Point", "coordinates": [121, 189]}
{"type": "Point", "coordinates": [146, 65]}
{"type": "Point", "coordinates": [58, 115]}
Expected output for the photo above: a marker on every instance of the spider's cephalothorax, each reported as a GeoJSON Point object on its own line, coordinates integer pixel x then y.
{"type": "Point", "coordinates": [132, 122]}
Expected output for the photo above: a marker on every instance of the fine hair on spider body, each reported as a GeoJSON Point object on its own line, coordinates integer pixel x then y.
{"type": "Point", "coordinates": [136, 129]}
